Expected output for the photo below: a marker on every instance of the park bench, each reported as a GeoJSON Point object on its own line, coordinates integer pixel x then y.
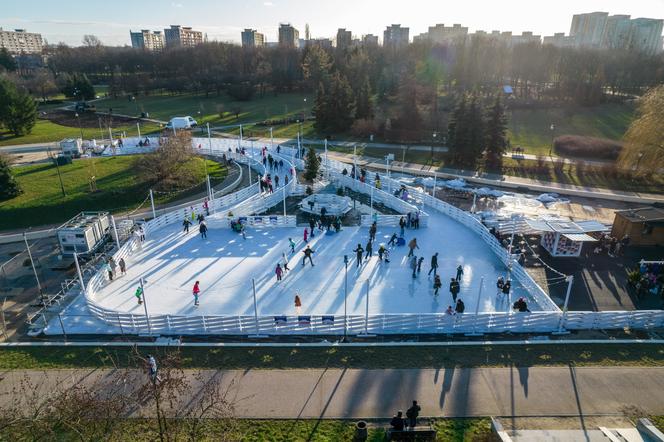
{"type": "Point", "coordinates": [419, 434]}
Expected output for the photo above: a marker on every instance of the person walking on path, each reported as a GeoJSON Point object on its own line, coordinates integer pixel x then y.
{"type": "Point", "coordinates": [306, 233]}
{"type": "Point", "coordinates": [152, 369]}
{"type": "Point", "coordinates": [206, 207]}
{"type": "Point", "coordinates": [459, 272]}
{"type": "Point", "coordinates": [285, 259]}
{"type": "Point", "coordinates": [412, 413]}
{"type": "Point", "coordinates": [186, 223]}
{"type": "Point", "coordinates": [358, 252]}
{"type": "Point", "coordinates": [454, 288]}
{"type": "Point", "coordinates": [123, 266]}
{"type": "Point", "coordinates": [393, 240]}
{"type": "Point", "coordinates": [203, 229]}
{"type": "Point", "coordinates": [369, 250]}
{"type": "Point", "coordinates": [307, 254]}
{"type": "Point", "coordinates": [460, 306]}
{"type": "Point", "coordinates": [397, 422]}
{"type": "Point", "coordinates": [114, 266]}
{"type": "Point", "coordinates": [412, 245]}
{"type": "Point", "coordinates": [434, 264]}
{"type": "Point", "coordinates": [196, 291]}
{"type": "Point", "coordinates": [372, 231]}
{"type": "Point", "coordinates": [291, 243]}
{"type": "Point", "coordinates": [139, 295]}
{"type": "Point", "coordinates": [278, 272]}
{"type": "Point", "coordinates": [436, 284]}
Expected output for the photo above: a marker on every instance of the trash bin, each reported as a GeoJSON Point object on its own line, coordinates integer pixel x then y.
{"type": "Point", "coordinates": [361, 432]}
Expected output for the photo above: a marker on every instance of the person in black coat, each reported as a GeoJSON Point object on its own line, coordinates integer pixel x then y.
{"type": "Point", "coordinates": [358, 252]}
{"type": "Point", "coordinates": [397, 422]}
{"type": "Point", "coordinates": [460, 306]}
{"type": "Point", "coordinates": [203, 229]}
{"type": "Point", "coordinates": [434, 264]}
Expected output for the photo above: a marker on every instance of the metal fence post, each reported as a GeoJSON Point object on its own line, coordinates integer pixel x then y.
{"type": "Point", "coordinates": [62, 325]}
{"type": "Point", "coordinates": [145, 306]}
{"type": "Point", "coordinates": [477, 310]}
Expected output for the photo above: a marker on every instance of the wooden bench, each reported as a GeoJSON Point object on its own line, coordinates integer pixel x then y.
{"type": "Point", "coordinates": [419, 434]}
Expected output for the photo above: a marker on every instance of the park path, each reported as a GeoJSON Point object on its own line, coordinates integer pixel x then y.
{"type": "Point", "coordinates": [360, 393]}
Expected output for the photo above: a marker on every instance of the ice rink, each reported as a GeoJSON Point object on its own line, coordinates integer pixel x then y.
{"type": "Point", "coordinates": [225, 263]}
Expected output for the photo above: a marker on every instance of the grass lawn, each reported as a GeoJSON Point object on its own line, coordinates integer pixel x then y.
{"type": "Point", "coordinates": [118, 188]}
{"type": "Point", "coordinates": [531, 129]}
{"type": "Point", "coordinates": [344, 357]}
{"type": "Point", "coordinates": [46, 131]}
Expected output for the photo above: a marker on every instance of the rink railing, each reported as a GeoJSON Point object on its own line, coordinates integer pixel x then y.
{"type": "Point", "coordinates": [255, 221]}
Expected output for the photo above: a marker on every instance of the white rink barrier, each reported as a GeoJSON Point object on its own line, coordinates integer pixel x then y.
{"type": "Point", "coordinates": [381, 220]}
{"type": "Point", "coordinates": [467, 323]}
{"type": "Point", "coordinates": [253, 221]}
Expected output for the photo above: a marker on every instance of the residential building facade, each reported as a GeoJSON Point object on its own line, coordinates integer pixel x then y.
{"type": "Point", "coordinates": [588, 29]}
{"type": "Point", "coordinates": [559, 40]}
{"type": "Point", "coordinates": [289, 37]}
{"type": "Point", "coordinates": [178, 35]}
{"type": "Point", "coordinates": [442, 35]}
{"type": "Point", "coordinates": [147, 40]}
{"type": "Point", "coordinates": [395, 36]}
{"type": "Point", "coordinates": [646, 35]}
{"type": "Point", "coordinates": [252, 39]}
{"type": "Point", "coordinates": [344, 38]}
{"type": "Point", "coordinates": [20, 41]}
{"type": "Point", "coordinates": [370, 40]}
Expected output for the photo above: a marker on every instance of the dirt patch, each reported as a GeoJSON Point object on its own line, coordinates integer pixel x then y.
{"type": "Point", "coordinates": [88, 120]}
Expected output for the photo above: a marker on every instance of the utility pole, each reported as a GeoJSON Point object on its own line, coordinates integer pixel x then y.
{"type": "Point", "coordinates": [57, 167]}
{"type": "Point", "coordinates": [34, 269]}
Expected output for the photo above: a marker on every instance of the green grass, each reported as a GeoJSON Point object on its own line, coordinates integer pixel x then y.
{"type": "Point", "coordinates": [345, 357]}
{"type": "Point", "coordinates": [46, 131]}
{"type": "Point", "coordinates": [531, 129]}
{"type": "Point", "coordinates": [118, 186]}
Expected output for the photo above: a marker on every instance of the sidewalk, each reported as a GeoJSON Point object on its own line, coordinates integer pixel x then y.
{"type": "Point", "coordinates": [358, 393]}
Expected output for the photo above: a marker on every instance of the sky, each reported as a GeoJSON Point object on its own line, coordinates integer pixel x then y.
{"type": "Point", "coordinates": [223, 20]}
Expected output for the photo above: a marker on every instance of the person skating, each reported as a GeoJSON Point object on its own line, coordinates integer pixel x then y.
{"type": "Point", "coordinates": [139, 295]}
{"type": "Point", "coordinates": [203, 229]}
{"type": "Point", "coordinates": [109, 271]}
{"type": "Point", "coordinates": [306, 233]}
{"type": "Point", "coordinates": [278, 272]}
{"type": "Point", "coordinates": [372, 231]}
{"type": "Point", "coordinates": [460, 306]}
{"type": "Point", "coordinates": [200, 218]}
{"type": "Point", "coordinates": [186, 223]}
{"type": "Point", "coordinates": [413, 265]}
{"type": "Point", "coordinates": [521, 305]}
{"type": "Point", "coordinates": [419, 264]}
{"type": "Point", "coordinates": [359, 251]}
{"type": "Point", "coordinates": [196, 291]}
{"type": "Point", "coordinates": [276, 181]}
{"type": "Point", "coordinates": [437, 284]}
{"type": "Point", "coordinates": [123, 266]}
{"type": "Point", "coordinates": [459, 273]}
{"type": "Point", "coordinates": [114, 265]}
{"type": "Point", "coordinates": [307, 254]}
{"type": "Point", "coordinates": [369, 250]}
{"type": "Point", "coordinates": [402, 225]}
{"type": "Point", "coordinates": [434, 264]}
{"type": "Point", "coordinates": [499, 284]}
{"type": "Point", "coordinates": [412, 245]}
{"type": "Point", "coordinates": [393, 240]}
{"type": "Point", "coordinates": [454, 288]}
{"type": "Point", "coordinates": [285, 259]}
{"type": "Point", "coordinates": [386, 255]}
{"type": "Point", "coordinates": [298, 303]}
{"type": "Point", "coordinates": [506, 287]}
{"type": "Point", "coordinates": [291, 243]}
{"type": "Point", "coordinates": [449, 310]}
{"type": "Point", "coordinates": [312, 225]}
{"type": "Point", "coordinates": [381, 252]}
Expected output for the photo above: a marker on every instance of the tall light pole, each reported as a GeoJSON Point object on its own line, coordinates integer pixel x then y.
{"type": "Point", "coordinates": [553, 128]}
{"type": "Point", "coordinates": [345, 298]}
{"type": "Point", "coordinates": [57, 167]}
{"type": "Point", "coordinates": [433, 140]}
{"type": "Point", "coordinates": [78, 117]}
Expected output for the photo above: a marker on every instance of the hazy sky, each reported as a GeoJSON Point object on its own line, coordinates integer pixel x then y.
{"type": "Point", "coordinates": [68, 20]}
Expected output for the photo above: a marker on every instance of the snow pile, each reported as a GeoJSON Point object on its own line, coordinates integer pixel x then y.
{"type": "Point", "coordinates": [485, 191]}
{"type": "Point", "coordinates": [457, 183]}
{"type": "Point", "coordinates": [551, 198]}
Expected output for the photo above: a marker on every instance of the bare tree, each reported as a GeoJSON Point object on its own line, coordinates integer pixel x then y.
{"type": "Point", "coordinates": [91, 41]}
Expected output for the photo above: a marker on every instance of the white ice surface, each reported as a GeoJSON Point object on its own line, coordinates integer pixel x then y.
{"type": "Point", "coordinates": [225, 263]}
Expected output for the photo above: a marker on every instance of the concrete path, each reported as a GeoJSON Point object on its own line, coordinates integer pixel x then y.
{"type": "Point", "coordinates": [355, 393]}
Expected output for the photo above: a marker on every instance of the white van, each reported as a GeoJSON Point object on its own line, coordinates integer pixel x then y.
{"type": "Point", "coordinates": [181, 123]}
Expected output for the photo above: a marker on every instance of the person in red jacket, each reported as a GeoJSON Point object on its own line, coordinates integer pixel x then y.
{"type": "Point", "coordinates": [196, 291]}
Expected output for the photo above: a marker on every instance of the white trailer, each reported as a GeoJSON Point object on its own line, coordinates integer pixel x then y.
{"type": "Point", "coordinates": [72, 147]}
{"type": "Point", "coordinates": [84, 233]}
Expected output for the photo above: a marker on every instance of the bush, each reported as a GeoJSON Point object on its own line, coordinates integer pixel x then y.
{"type": "Point", "coordinates": [363, 128]}
{"type": "Point", "coordinates": [587, 147]}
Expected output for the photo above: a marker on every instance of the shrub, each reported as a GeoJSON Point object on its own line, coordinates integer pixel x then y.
{"type": "Point", "coordinates": [587, 147]}
{"type": "Point", "coordinates": [363, 128]}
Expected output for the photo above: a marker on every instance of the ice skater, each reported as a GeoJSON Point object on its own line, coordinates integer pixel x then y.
{"type": "Point", "coordinates": [402, 225]}
{"type": "Point", "coordinates": [141, 233]}
{"type": "Point", "coordinates": [460, 306]}
{"type": "Point", "coordinates": [298, 303]}
{"type": "Point", "coordinates": [499, 285]}
{"type": "Point", "coordinates": [291, 243]}
{"type": "Point", "coordinates": [381, 252]}
{"type": "Point", "coordinates": [434, 264]}
{"type": "Point", "coordinates": [413, 265]}
{"type": "Point", "coordinates": [506, 287]}
{"type": "Point", "coordinates": [196, 291]}
{"type": "Point", "coordinates": [436, 284]}
{"type": "Point", "coordinates": [412, 245]}
{"type": "Point", "coordinates": [285, 259]}
{"type": "Point", "coordinates": [419, 264]}
{"type": "Point", "coordinates": [369, 250]}
{"type": "Point", "coordinates": [454, 288]}
{"type": "Point", "coordinates": [109, 270]}
{"type": "Point", "coordinates": [203, 229]}
{"type": "Point", "coordinates": [307, 254]}
{"type": "Point", "coordinates": [186, 223]}
{"type": "Point", "coordinates": [123, 266]}
{"type": "Point", "coordinates": [312, 226]}
{"type": "Point", "coordinates": [139, 295]}
{"type": "Point", "coordinates": [393, 240]}
{"type": "Point", "coordinates": [359, 251]}
{"type": "Point", "coordinates": [459, 273]}
{"type": "Point", "coordinates": [278, 272]}
{"type": "Point", "coordinates": [372, 231]}
{"type": "Point", "coordinates": [306, 235]}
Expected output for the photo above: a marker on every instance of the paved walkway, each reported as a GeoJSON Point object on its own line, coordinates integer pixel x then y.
{"type": "Point", "coordinates": [356, 393]}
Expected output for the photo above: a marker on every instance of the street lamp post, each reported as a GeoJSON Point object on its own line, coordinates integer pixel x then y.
{"type": "Point", "coordinates": [553, 128]}
{"type": "Point", "coordinates": [78, 117]}
{"type": "Point", "coordinates": [345, 298]}
{"type": "Point", "coordinates": [57, 167]}
{"type": "Point", "coordinates": [433, 140]}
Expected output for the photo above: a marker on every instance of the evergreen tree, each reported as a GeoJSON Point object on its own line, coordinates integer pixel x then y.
{"type": "Point", "coordinates": [78, 86]}
{"type": "Point", "coordinates": [320, 109]}
{"type": "Point", "coordinates": [409, 121]}
{"type": "Point", "coordinates": [9, 188]}
{"type": "Point", "coordinates": [476, 138]}
{"type": "Point", "coordinates": [335, 105]}
{"type": "Point", "coordinates": [22, 114]}
{"type": "Point", "coordinates": [496, 139]}
{"type": "Point", "coordinates": [6, 60]}
{"type": "Point", "coordinates": [456, 133]}
{"type": "Point", "coordinates": [311, 165]}
{"type": "Point", "coordinates": [364, 108]}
